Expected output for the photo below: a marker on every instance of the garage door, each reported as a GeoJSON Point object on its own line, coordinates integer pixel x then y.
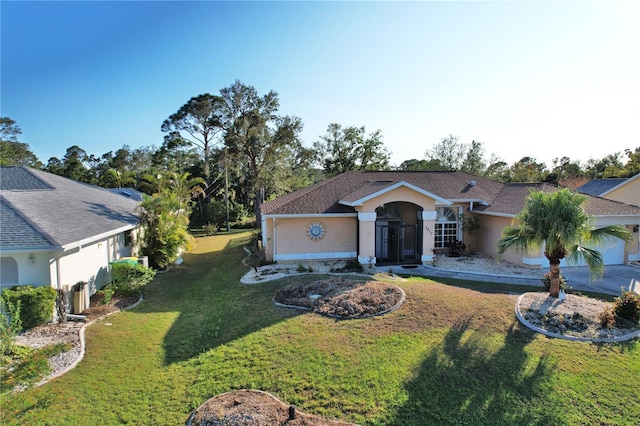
{"type": "Point", "coordinates": [612, 252]}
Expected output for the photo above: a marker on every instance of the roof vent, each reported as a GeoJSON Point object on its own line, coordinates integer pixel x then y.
{"type": "Point", "coordinates": [472, 183]}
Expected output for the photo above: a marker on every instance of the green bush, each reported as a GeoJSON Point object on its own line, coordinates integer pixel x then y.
{"type": "Point", "coordinates": [129, 280]}
{"type": "Point", "coordinates": [36, 303]}
{"type": "Point", "coordinates": [9, 327]}
{"type": "Point", "coordinates": [607, 318]}
{"type": "Point", "coordinates": [627, 306]}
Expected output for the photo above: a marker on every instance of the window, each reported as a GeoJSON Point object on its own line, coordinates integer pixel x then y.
{"type": "Point", "coordinates": [128, 238]}
{"type": "Point", "coordinates": [446, 228]}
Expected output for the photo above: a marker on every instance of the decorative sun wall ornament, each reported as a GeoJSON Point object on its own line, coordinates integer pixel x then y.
{"type": "Point", "coordinates": [315, 231]}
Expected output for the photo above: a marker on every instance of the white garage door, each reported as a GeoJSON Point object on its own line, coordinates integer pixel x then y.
{"type": "Point", "coordinates": [612, 252]}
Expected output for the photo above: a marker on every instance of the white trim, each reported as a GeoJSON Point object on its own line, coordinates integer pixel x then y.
{"type": "Point", "coordinates": [99, 237]}
{"type": "Point", "coordinates": [472, 200]}
{"type": "Point", "coordinates": [307, 215]}
{"type": "Point", "coordinates": [365, 260]}
{"type": "Point", "coordinates": [316, 256]}
{"type": "Point", "coordinates": [428, 215]}
{"type": "Point", "coordinates": [396, 185]}
{"type": "Point", "coordinates": [494, 214]}
{"type": "Point", "coordinates": [35, 249]}
{"type": "Point", "coordinates": [426, 258]}
{"type": "Point", "coordinates": [367, 216]}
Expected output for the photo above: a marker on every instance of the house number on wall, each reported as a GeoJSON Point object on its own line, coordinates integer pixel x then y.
{"type": "Point", "coordinates": [315, 231]}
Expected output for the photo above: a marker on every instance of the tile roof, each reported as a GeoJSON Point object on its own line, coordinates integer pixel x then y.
{"type": "Point", "coordinates": [499, 198]}
{"type": "Point", "coordinates": [43, 210]}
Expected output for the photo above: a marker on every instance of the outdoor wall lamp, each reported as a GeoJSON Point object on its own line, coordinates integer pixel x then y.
{"type": "Point", "coordinates": [32, 258]}
{"type": "Point", "coordinates": [636, 228]}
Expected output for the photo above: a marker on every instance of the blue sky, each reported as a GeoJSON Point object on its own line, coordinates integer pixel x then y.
{"type": "Point", "coordinates": [539, 79]}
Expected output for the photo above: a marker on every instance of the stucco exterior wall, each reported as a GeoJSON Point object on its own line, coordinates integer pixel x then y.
{"type": "Point", "coordinates": [292, 242]}
{"type": "Point", "coordinates": [628, 193]}
{"type": "Point", "coordinates": [633, 248]}
{"type": "Point", "coordinates": [34, 271]}
{"type": "Point", "coordinates": [490, 232]}
{"type": "Point", "coordinates": [399, 194]}
{"type": "Point", "coordinates": [90, 263]}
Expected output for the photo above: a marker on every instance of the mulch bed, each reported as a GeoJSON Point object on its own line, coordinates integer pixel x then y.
{"type": "Point", "coordinates": [341, 298]}
{"type": "Point", "coordinates": [98, 309]}
{"type": "Point", "coordinates": [251, 408]}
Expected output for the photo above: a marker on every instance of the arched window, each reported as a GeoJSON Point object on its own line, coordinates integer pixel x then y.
{"type": "Point", "coordinates": [446, 229]}
{"type": "Point", "coordinates": [8, 271]}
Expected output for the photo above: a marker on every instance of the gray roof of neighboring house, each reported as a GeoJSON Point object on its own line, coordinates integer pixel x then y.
{"type": "Point", "coordinates": [129, 193]}
{"type": "Point", "coordinates": [45, 211]}
{"type": "Point", "coordinates": [488, 196]}
{"type": "Point", "coordinates": [598, 187]}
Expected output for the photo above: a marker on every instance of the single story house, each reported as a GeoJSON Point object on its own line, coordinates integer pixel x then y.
{"type": "Point", "coordinates": [403, 217]}
{"type": "Point", "coordinates": [56, 231]}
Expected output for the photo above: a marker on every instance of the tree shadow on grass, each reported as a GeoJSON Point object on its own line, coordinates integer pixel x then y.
{"type": "Point", "coordinates": [464, 381]}
{"type": "Point", "coordinates": [210, 305]}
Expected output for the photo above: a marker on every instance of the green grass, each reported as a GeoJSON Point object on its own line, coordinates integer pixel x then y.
{"type": "Point", "coordinates": [452, 354]}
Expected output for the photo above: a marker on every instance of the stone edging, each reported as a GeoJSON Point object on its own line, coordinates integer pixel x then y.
{"type": "Point", "coordinates": [527, 324]}
{"type": "Point", "coordinates": [82, 344]}
{"type": "Point", "coordinates": [399, 303]}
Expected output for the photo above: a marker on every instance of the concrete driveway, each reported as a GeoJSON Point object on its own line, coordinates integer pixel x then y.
{"type": "Point", "coordinates": [615, 277]}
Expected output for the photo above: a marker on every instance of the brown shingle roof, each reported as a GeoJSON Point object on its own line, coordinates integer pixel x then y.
{"type": "Point", "coordinates": [501, 199]}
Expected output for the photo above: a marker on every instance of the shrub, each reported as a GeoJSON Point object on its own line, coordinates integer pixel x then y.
{"type": "Point", "coordinates": [351, 266]}
{"type": "Point", "coordinates": [627, 306]}
{"type": "Point", "coordinates": [129, 280]}
{"type": "Point", "coordinates": [36, 303]}
{"type": "Point", "coordinates": [107, 294]}
{"type": "Point", "coordinates": [607, 318]}
{"type": "Point", "coordinates": [9, 326]}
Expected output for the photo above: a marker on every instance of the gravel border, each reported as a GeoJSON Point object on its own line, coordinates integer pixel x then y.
{"type": "Point", "coordinates": [527, 324]}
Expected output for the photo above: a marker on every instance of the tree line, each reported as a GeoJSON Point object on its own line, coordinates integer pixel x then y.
{"type": "Point", "coordinates": [234, 150]}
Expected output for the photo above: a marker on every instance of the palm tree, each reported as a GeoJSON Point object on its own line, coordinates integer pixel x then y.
{"type": "Point", "coordinates": [557, 222]}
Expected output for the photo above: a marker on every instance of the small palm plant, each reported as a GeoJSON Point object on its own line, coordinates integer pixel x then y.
{"type": "Point", "coordinates": [557, 222]}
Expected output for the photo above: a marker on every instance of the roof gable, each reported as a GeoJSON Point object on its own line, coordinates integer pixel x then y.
{"type": "Point", "coordinates": [377, 188]}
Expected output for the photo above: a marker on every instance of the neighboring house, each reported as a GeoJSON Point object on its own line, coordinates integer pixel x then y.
{"type": "Point", "coordinates": [405, 217]}
{"type": "Point", "coordinates": [56, 231]}
{"type": "Point", "coordinates": [625, 190]}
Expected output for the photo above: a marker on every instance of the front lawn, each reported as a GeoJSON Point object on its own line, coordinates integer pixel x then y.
{"type": "Point", "coordinates": [450, 355]}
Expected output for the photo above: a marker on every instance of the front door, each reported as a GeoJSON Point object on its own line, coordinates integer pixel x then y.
{"type": "Point", "coordinates": [396, 243]}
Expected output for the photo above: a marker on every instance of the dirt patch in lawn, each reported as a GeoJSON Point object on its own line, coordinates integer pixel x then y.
{"type": "Point", "coordinates": [342, 298]}
{"type": "Point", "coordinates": [252, 407]}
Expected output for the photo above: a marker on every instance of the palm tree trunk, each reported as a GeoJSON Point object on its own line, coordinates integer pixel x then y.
{"type": "Point", "coordinates": [554, 288]}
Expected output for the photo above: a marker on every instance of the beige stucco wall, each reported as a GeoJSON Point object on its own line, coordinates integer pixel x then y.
{"type": "Point", "coordinates": [490, 232]}
{"type": "Point", "coordinates": [292, 242]}
{"type": "Point", "coordinates": [399, 194]}
{"type": "Point", "coordinates": [628, 193]}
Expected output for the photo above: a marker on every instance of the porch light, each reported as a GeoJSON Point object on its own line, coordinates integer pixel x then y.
{"type": "Point", "coordinates": [31, 258]}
